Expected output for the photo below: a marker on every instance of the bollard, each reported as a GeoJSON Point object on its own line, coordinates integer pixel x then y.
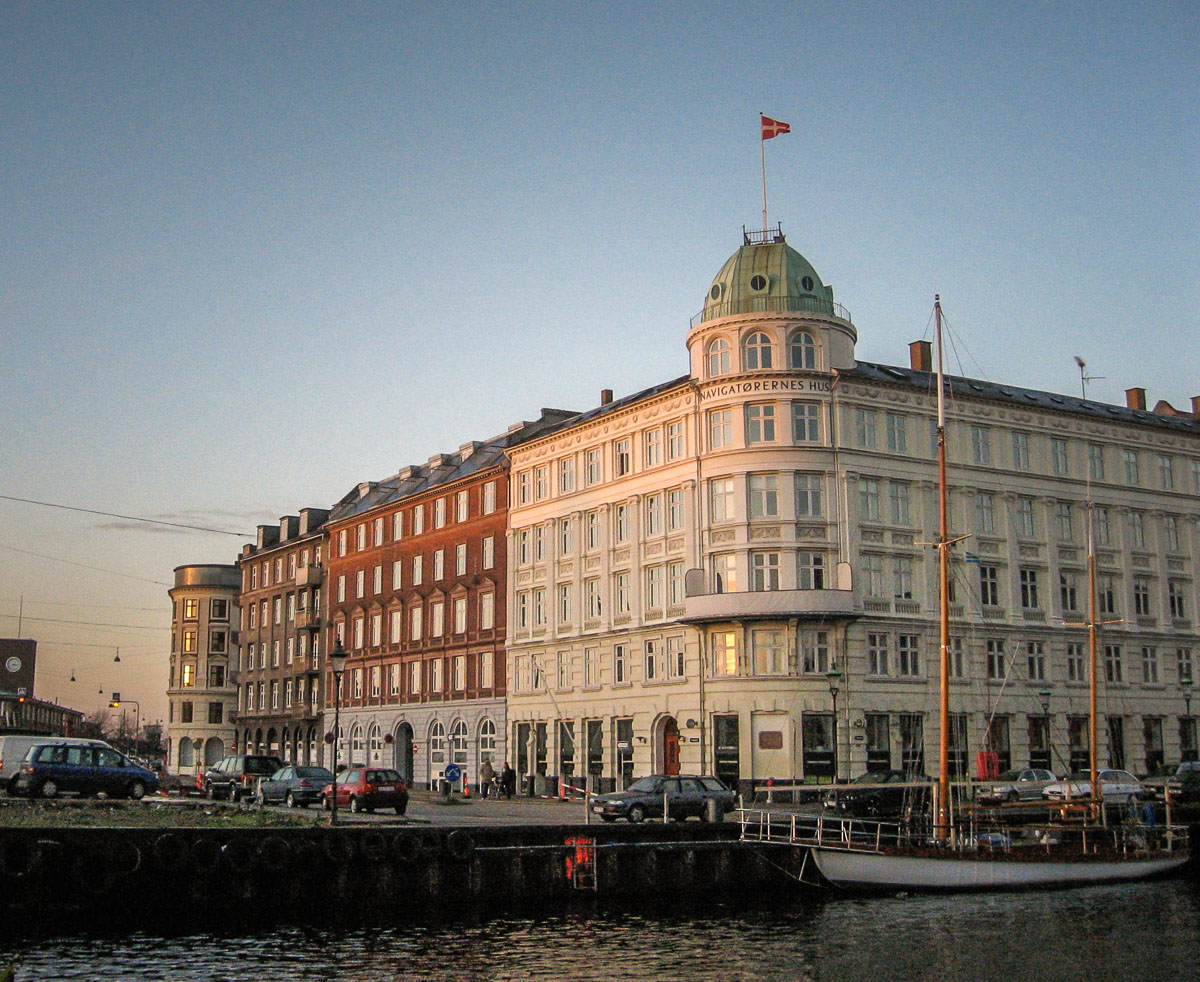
{"type": "Point", "coordinates": [466, 787]}
{"type": "Point", "coordinates": [713, 810]}
{"type": "Point", "coordinates": [666, 809]}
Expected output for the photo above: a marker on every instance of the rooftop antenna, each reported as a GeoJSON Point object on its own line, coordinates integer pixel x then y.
{"type": "Point", "coordinates": [1084, 377]}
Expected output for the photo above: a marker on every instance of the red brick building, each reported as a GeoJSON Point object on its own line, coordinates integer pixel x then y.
{"type": "Point", "coordinates": [416, 589]}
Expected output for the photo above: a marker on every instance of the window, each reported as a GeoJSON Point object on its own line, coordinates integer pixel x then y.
{"type": "Point", "coordinates": [522, 599]}
{"type": "Point", "coordinates": [593, 466]}
{"type": "Point", "coordinates": [1035, 660]}
{"type": "Point", "coordinates": [564, 603]}
{"type": "Point", "coordinates": [721, 496]}
{"type": "Point", "coordinates": [654, 584]}
{"type": "Point", "coordinates": [864, 428]}
{"type": "Point", "coordinates": [418, 520]}
{"type": "Point", "coordinates": [1112, 664]}
{"type": "Point", "coordinates": [562, 670]}
{"type": "Point", "coordinates": [652, 447]}
{"type": "Point", "coordinates": [621, 599]}
{"type": "Point", "coordinates": [186, 708]}
{"type": "Point", "coordinates": [985, 512]}
{"type": "Point", "coordinates": [1095, 462]}
{"type": "Point", "coordinates": [764, 496]}
{"type": "Point", "coordinates": [872, 571]}
{"type": "Point", "coordinates": [621, 523]}
{"type": "Point", "coordinates": [566, 536]}
{"type": "Point", "coordinates": [1058, 456]}
{"type": "Point", "coordinates": [1068, 591]}
{"type": "Point", "coordinates": [675, 583]}
{"type": "Point", "coordinates": [908, 654]}
{"type": "Point", "coordinates": [460, 559]}
{"type": "Point", "coordinates": [1133, 476]}
{"type": "Point", "coordinates": [806, 422]}
{"type": "Point", "coordinates": [654, 514]}
{"type": "Point", "coordinates": [1137, 530]}
{"type": "Point", "coordinates": [989, 586]}
{"type": "Point", "coordinates": [566, 475]}
{"type": "Point", "coordinates": [1106, 594]}
{"type": "Point", "coordinates": [810, 571]}
{"type": "Point", "coordinates": [376, 582]}
{"type": "Point", "coordinates": [539, 607]}
{"type": "Point", "coordinates": [675, 509]}
{"type": "Point", "coordinates": [897, 432]}
{"type": "Point", "coordinates": [416, 571]}
{"type": "Point", "coordinates": [769, 652]}
{"type": "Point", "coordinates": [877, 654]}
{"type": "Point", "coordinates": [398, 526]}
{"type": "Point", "coordinates": [902, 577]}
{"type": "Point", "coordinates": [460, 506]}
{"type": "Point", "coordinates": [675, 440]}
{"type": "Point", "coordinates": [720, 428]}
{"type": "Point", "coordinates": [487, 611]}
{"type": "Point", "coordinates": [718, 358]}
{"type": "Point", "coordinates": [622, 458]}
{"type": "Point", "coordinates": [341, 551]}
{"type": "Point", "coordinates": [1171, 533]}
{"type": "Point", "coordinates": [653, 670]}
{"type": "Point", "coordinates": [1020, 450]}
{"type": "Point", "coordinates": [360, 538]}
{"type": "Point", "coordinates": [868, 499]}
{"type": "Point", "coordinates": [760, 424]}
{"type": "Point", "coordinates": [396, 628]}
{"type": "Point", "coordinates": [489, 497]}
{"type": "Point", "coordinates": [898, 497]}
{"type": "Point", "coordinates": [189, 641]}
{"type": "Point", "coordinates": [764, 571]}
{"type": "Point", "coordinates": [997, 665]}
{"type": "Point", "coordinates": [981, 445]}
{"type": "Point", "coordinates": [1166, 472]}
{"type": "Point", "coordinates": [1076, 666]}
{"type": "Point", "coordinates": [1141, 596]}
{"type": "Point", "coordinates": [414, 678]}
{"type": "Point", "coordinates": [360, 588]}
{"type": "Point", "coordinates": [1175, 600]}
{"type": "Point", "coordinates": [376, 633]}
{"type": "Point", "coordinates": [1029, 589]}
{"type": "Point", "coordinates": [439, 512]}
{"type": "Point", "coordinates": [802, 352]}
{"type": "Point", "coordinates": [489, 551]}
{"type": "Point", "coordinates": [524, 488]}
{"type": "Point", "coordinates": [1149, 665]}
{"type": "Point", "coordinates": [1183, 665]}
{"type": "Point", "coordinates": [756, 352]}
{"type": "Point", "coordinates": [808, 496]}
{"type": "Point", "coordinates": [591, 666]}
{"type": "Point", "coordinates": [724, 573]}
{"type": "Point", "coordinates": [1063, 522]}
{"type": "Point", "coordinates": [1101, 526]}
{"type": "Point", "coordinates": [460, 615]}
{"type": "Point", "coordinates": [539, 543]}
{"type": "Point", "coordinates": [415, 624]}
{"type": "Point", "coordinates": [1026, 524]}
{"type": "Point", "coordinates": [593, 530]}
{"type": "Point", "coordinates": [591, 594]}
{"type": "Point", "coordinates": [189, 674]}
{"type": "Point", "coordinates": [723, 645]}
{"type": "Point", "coordinates": [814, 651]}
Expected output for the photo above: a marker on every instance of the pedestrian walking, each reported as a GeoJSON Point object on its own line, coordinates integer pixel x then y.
{"type": "Point", "coordinates": [486, 773]}
{"type": "Point", "coordinates": [508, 780]}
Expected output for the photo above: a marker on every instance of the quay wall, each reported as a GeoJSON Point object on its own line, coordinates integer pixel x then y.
{"type": "Point", "coordinates": [98, 877]}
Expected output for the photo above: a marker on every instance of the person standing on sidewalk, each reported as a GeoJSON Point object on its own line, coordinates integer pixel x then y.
{"type": "Point", "coordinates": [508, 780]}
{"type": "Point", "coordinates": [486, 773]}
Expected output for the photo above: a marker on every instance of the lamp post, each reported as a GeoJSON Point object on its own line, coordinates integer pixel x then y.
{"type": "Point", "coordinates": [1044, 696]}
{"type": "Point", "coordinates": [1186, 686]}
{"type": "Point", "coordinates": [337, 662]}
{"type": "Point", "coordinates": [137, 708]}
{"type": "Point", "coordinates": [834, 678]}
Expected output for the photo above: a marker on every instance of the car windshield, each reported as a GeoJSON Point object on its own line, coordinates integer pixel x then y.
{"type": "Point", "coordinates": [1010, 776]}
{"type": "Point", "coordinates": [712, 784]}
{"type": "Point", "coordinates": [1080, 776]}
{"type": "Point", "coordinates": [262, 765]}
{"type": "Point", "coordinates": [645, 784]}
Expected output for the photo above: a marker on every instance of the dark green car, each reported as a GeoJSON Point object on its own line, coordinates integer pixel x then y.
{"type": "Point", "coordinates": [684, 795]}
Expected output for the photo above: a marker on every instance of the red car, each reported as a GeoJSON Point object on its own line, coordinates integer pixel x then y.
{"type": "Point", "coordinates": [363, 789]}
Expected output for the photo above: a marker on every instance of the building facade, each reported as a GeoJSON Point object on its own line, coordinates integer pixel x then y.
{"type": "Point", "coordinates": [201, 694]}
{"type": "Point", "coordinates": [279, 682]}
{"type": "Point", "coordinates": [732, 572]}
{"type": "Point", "coordinates": [417, 567]}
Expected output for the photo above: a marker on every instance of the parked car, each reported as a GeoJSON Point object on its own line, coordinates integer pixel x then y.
{"type": "Point", "coordinates": [299, 786]}
{"type": "Point", "coordinates": [1114, 786]}
{"type": "Point", "coordinates": [1184, 784]}
{"type": "Point", "coordinates": [363, 789]}
{"type": "Point", "coordinates": [51, 769]}
{"type": "Point", "coordinates": [235, 777]}
{"type": "Point", "coordinates": [1025, 784]}
{"type": "Point", "coordinates": [686, 794]}
{"type": "Point", "coordinates": [880, 794]}
{"type": "Point", "coordinates": [14, 748]}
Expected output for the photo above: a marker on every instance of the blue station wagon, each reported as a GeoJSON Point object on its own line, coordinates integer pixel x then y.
{"type": "Point", "coordinates": [50, 769]}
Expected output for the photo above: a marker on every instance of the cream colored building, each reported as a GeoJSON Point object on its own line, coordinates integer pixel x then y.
{"type": "Point", "coordinates": [731, 572]}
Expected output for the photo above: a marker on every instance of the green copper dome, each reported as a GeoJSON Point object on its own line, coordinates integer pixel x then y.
{"type": "Point", "coordinates": [766, 274]}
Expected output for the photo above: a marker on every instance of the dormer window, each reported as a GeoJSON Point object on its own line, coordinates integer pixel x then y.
{"type": "Point", "coordinates": [802, 351]}
{"type": "Point", "coordinates": [718, 357]}
{"type": "Point", "coordinates": [756, 352]}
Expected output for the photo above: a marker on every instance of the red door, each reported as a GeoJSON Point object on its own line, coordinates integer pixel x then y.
{"type": "Point", "coordinates": [671, 747]}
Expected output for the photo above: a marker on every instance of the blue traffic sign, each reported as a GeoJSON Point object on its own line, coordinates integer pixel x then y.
{"type": "Point", "coordinates": [452, 772]}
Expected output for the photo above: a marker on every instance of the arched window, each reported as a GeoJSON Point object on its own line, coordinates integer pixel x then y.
{"type": "Point", "coordinates": [718, 358]}
{"type": "Point", "coordinates": [803, 350]}
{"type": "Point", "coordinates": [458, 741]}
{"type": "Point", "coordinates": [437, 744]}
{"type": "Point", "coordinates": [375, 743]}
{"type": "Point", "coordinates": [356, 745]}
{"type": "Point", "coordinates": [756, 352]}
{"type": "Point", "coordinates": [487, 738]}
{"type": "Point", "coordinates": [187, 753]}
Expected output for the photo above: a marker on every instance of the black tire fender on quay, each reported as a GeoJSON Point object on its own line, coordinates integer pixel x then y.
{"type": "Point", "coordinates": [274, 852]}
{"type": "Point", "coordinates": [338, 847]}
{"type": "Point", "coordinates": [373, 845]}
{"type": "Point", "coordinates": [20, 857]}
{"type": "Point", "coordinates": [460, 845]}
{"type": "Point", "coordinates": [407, 847]}
{"type": "Point", "coordinates": [171, 851]}
{"type": "Point", "coordinates": [125, 856]}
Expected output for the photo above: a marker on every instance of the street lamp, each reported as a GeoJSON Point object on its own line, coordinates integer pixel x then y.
{"type": "Point", "coordinates": [118, 702]}
{"type": "Point", "coordinates": [1044, 696]}
{"type": "Point", "coordinates": [834, 678]}
{"type": "Point", "coordinates": [337, 662]}
{"type": "Point", "coordinates": [1186, 686]}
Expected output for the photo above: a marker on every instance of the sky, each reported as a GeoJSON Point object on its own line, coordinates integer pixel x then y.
{"type": "Point", "coordinates": [256, 253]}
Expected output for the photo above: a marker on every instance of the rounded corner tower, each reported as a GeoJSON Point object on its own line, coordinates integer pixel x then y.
{"type": "Point", "coordinates": [769, 294]}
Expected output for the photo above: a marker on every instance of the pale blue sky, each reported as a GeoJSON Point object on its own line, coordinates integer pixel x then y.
{"type": "Point", "coordinates": [256, 253]}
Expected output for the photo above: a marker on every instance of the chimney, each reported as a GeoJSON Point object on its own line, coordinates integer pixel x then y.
{"type": "Point", "coordinates": [268, 535]}
{"type": "Point", "coordinates": [605, 396]}
{"type": "Point", "coordinates": [1135, 398]}
{"type": "Point", "coordinates": [289, 526]}
{"type": "Point", "coordinates": [1196, 406]}
{"type": "Point", "coordinates": [920, 356]}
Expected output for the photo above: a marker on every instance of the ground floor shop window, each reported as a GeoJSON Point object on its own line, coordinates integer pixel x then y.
{"type": "Point", "coordinates": [820, 755]}
{"type": "Point", "coordinates": [879, 741]}
{"type": "Point", "coordinates": [912, 743]}
{"type": "Point", "coordinates": [726, 750]}
{"type": "Point", "coordinates": [623, 731]}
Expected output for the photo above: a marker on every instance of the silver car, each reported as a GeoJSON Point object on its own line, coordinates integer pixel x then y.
{"type": "Point", "coordinates": [1026, 784]}
{"type": "Point", "coordinates": [1114, 786]}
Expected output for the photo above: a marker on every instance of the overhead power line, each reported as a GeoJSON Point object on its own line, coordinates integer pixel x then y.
{"type": "Point", "coordinates": [96, 569]}
{"type": "Point", "coordinates": [128, 518]}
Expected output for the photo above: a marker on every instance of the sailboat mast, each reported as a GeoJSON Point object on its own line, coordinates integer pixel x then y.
{"type": "Point", "coordinates": [943, 818]}
{"type": "Point", "coordinates": [1093, 746]}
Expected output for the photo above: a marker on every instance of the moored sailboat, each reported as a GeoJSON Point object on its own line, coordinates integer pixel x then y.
{"type": "Point", "coordinates": [1080, 848]}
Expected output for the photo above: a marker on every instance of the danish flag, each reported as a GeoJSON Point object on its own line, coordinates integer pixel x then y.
{"type": "Point", "coordinates": [772, 127]}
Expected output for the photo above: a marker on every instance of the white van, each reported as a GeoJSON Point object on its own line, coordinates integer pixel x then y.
{"type": "Point", "coordinates": [14, 748]}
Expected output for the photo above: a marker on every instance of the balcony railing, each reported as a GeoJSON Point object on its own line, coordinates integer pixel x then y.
{"type": "Point", "coordinates": [772, 604]}
{"type": "Point", "coordinates": [308, 620]}
{"type": "Point", "coordinates": [772, 305]}
{"type": "Point", "coordinates": [309, 575]}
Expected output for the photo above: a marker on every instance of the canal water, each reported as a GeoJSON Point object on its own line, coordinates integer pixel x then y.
{"type": "Point", "coordinates": [1130, 932]}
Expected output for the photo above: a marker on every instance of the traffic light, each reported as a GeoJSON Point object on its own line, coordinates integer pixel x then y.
{"type": "Point", "coordinates": [114, 705]}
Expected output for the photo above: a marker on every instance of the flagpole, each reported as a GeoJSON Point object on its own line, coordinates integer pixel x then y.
{"type": "Point", "coordinates": [762, 147]}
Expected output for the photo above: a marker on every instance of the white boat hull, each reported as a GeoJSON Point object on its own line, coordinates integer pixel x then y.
{"type": "Point", "coordinates": [881, 871]}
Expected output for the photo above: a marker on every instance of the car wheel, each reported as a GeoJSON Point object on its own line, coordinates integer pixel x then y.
{"type": "Point", "coordinates": [49, 789]}
{"type": "Point", "coordinates": [137, 790]}
{"type": "Point", "coordinates": [291, 800]}
{"type": "Point", "coordinates": [210, 793]}
{"type": "Point", "coordinates": [1012, 796]}
{"type": "Point", "coordinates": [401, 809]}
{"type": "Point", "coordinates": [355, 806]}
{"type": "Point", "coordinates": [636, 813]}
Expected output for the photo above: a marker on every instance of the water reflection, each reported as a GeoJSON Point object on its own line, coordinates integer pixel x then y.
{"type": "Point", "coordinates": [1121, 932]}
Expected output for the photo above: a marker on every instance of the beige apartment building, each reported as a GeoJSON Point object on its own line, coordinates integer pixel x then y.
{"type": "Point", "coordinates": [731, 572]}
